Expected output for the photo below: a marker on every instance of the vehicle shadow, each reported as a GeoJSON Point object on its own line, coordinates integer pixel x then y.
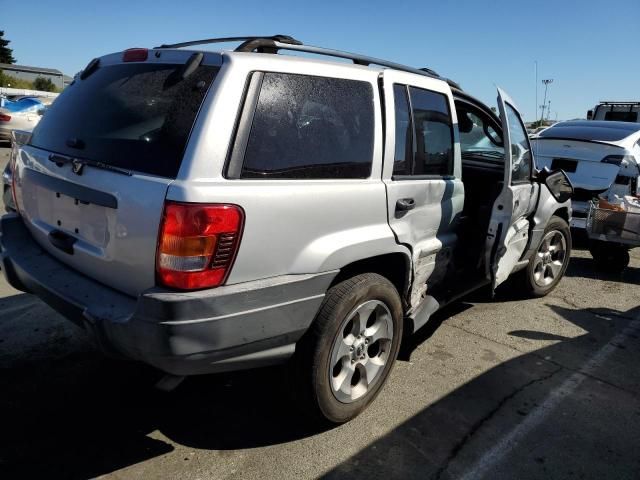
{"type": "Point", "coordinates": [441, 441]}
{"type": "Point", "coordinates": [81, 415]}
{"type": "Point", "coordinates": [585, 267]}
{"type": "Point", "coordinates": [77, 414]}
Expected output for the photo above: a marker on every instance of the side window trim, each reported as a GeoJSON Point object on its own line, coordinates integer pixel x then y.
{"type": "Point", "coordinates": [408, 161]}
{"type": "Point", "coordinates": [245, 128]}
{"type": "Point", "coordinates": [423, 177]}
{"type": "Point", "coordinates": [244, 122]}
{"type": "Point", "coordinates": [412, 132]}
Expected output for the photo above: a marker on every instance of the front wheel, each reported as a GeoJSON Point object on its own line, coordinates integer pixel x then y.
{"type": "Point", "coordinates": [344, 359]}
{"type": "Point", "coordinates": [548, 265]}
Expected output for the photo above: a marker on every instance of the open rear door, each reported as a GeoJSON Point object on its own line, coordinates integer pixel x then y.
{"type": "Point", "coordinates": [508, 233]}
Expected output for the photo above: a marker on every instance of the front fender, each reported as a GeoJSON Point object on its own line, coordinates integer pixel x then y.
{"type": "Point", "coordinates": [547, 207]}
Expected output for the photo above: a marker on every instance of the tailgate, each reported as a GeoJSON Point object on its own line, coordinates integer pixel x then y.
{"type": "Point", "coordinates": [111, 219]}
{"type": "Point", "coordinates": [92, 181]}
{"type": "Point", "coordinates": [581, 161]}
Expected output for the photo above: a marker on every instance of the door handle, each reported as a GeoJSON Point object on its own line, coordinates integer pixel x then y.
{"type": "Point", "coordinates": [62, 241]}
{"type": "Point", "coordinates": [405, 204]}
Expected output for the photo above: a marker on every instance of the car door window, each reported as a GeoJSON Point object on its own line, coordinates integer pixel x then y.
{"type": "Point", "coordinates": [403, 158]}
{"type": "Point", "coordinates": [520, 148]}
{"type": "Point", "coordinates": [424, 134]}
{"type": "Point", "coordinates": [310, 127]}
{"type": "Point", "coordinates": [433, 132]}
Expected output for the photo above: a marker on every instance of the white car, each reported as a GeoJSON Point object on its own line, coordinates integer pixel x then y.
{"type": "Point", "coordinates": [598, 157]}
{"type": "Point", "coordinates": [24, 119]}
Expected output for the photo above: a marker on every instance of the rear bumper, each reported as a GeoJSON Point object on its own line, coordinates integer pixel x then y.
{"type": "Point", "coordinates": [184, 333]}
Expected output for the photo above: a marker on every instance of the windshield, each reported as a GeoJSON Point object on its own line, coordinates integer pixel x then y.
{"type": "Point", "coordinates": [136, 116]}
{"type": "Point", "coordinates": [478, 136]}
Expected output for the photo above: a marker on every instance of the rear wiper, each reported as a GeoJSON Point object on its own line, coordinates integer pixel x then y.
{"type": "Point", "coordinates": [78, 164]}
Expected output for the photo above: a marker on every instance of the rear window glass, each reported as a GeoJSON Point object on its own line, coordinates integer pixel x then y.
{"type": "Point", "coordinates": [136, 116]}
{"type": "Point", "coordinates": [310, 127]}
{"type": "Point", "coordinates": [587, 132]}
{"type": "Point", "coordinates": [621, 116]}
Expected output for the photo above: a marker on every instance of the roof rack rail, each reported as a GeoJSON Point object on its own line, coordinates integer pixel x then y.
{"type": "Point", "coordinates": [448, 80]}
{"type": "Point", "coordinates": [612, 102]}
{"type": "Point", "coordinates": [280, 38]}
{"type": "Point", "coordinates": [272, 44]}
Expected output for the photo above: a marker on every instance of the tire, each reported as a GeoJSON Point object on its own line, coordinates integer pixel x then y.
{"type": "Point", "coordinates": [609, 257]}
{"type": "Point", "coordinates": [535, 279]}
{"type": "Point", "coordinates": [336, 326]}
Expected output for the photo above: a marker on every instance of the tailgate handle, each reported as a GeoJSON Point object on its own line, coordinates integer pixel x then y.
{"type": "Point", "coordinates": [62, 241]}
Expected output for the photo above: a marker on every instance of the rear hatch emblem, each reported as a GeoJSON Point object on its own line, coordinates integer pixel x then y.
{"type": "Point", "coordinates": [77, 166]}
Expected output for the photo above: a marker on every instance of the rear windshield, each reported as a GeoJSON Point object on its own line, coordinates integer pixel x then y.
{"type": "Point", "coordinates": [136, 116]}
{"type": "Point", "coordinates": [621, 116]}
{"type": "Point", "coordinates": [596, 134]}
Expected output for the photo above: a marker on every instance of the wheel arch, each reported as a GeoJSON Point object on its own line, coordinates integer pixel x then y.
{"type": "Point", "coordinates": [562, 212]}
{"type": "Point", "coordinates": [396, 267]}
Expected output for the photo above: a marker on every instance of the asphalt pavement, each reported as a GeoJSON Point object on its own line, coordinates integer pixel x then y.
{"type": "Point", "coordinates": [489, 389]}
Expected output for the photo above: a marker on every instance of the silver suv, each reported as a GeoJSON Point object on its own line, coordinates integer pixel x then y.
{"type": "Point", "coordinates": [209, 211]}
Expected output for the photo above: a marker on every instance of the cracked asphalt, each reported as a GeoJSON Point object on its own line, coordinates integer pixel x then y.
{"type": "Point", "coordinates": [490, 389]}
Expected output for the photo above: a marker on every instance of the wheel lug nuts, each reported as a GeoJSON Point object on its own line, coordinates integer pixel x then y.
{"type": "Point", "coordinates": [353, 361]}
{"type": "Point", "coordinates": [366, 340]}
{"type": "Point", "coordinates": [351, 349]}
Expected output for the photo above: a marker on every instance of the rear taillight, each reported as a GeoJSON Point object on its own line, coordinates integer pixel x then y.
{"type": "Point", "coordinates": [197, 244]}
{"type": "Point", "coordinates": [617, 159]}
{"type": "Point", "coordinates": [135, 55]}
{"type": "Point", "coordinates": [4, 117]}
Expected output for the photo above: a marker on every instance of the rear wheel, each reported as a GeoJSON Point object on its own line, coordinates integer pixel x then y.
{"type": "Point", "coordinates": [609, 257]}
{"type": "Point", "coordinates": [548, 265]}
{"type": "Point", "coordinates": [346, 356]}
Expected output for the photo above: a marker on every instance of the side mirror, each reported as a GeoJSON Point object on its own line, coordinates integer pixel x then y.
{"type": "Point", "coordinates": [559, 185]}
{"type": "Point", "coordinates": [589, 114]}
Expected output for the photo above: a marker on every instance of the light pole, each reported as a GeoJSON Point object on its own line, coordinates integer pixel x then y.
{"type": "Point", "coordinates": [536, 83]}
{"type": "Point", "coordinates": [546, 83]}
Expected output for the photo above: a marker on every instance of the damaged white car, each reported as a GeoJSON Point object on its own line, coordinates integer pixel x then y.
{"type": "Point", "coordinates": [600, 158]}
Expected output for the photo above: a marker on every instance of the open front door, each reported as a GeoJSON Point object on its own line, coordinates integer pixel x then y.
{"type": "Point", "coordinates": [508, 233]}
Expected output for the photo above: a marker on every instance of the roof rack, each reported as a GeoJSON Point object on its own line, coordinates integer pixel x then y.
{"type": "Point", "coordinates": [607, 102]}
{"type": "Point", "coordinates": [278, 38]}
{"type": "Point", "coordinates": [275, 43]}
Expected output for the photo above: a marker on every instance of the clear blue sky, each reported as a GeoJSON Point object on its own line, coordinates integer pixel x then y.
{"type": "Point", "coordinates": [590, 48]}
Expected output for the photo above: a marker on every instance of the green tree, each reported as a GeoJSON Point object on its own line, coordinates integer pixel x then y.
{"type": "Point", "coordinates": [44, 84]}
{"type": "Point", "coordinates": [13, 82]}
{"type": "Point", "coordinates": [6, 53]}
